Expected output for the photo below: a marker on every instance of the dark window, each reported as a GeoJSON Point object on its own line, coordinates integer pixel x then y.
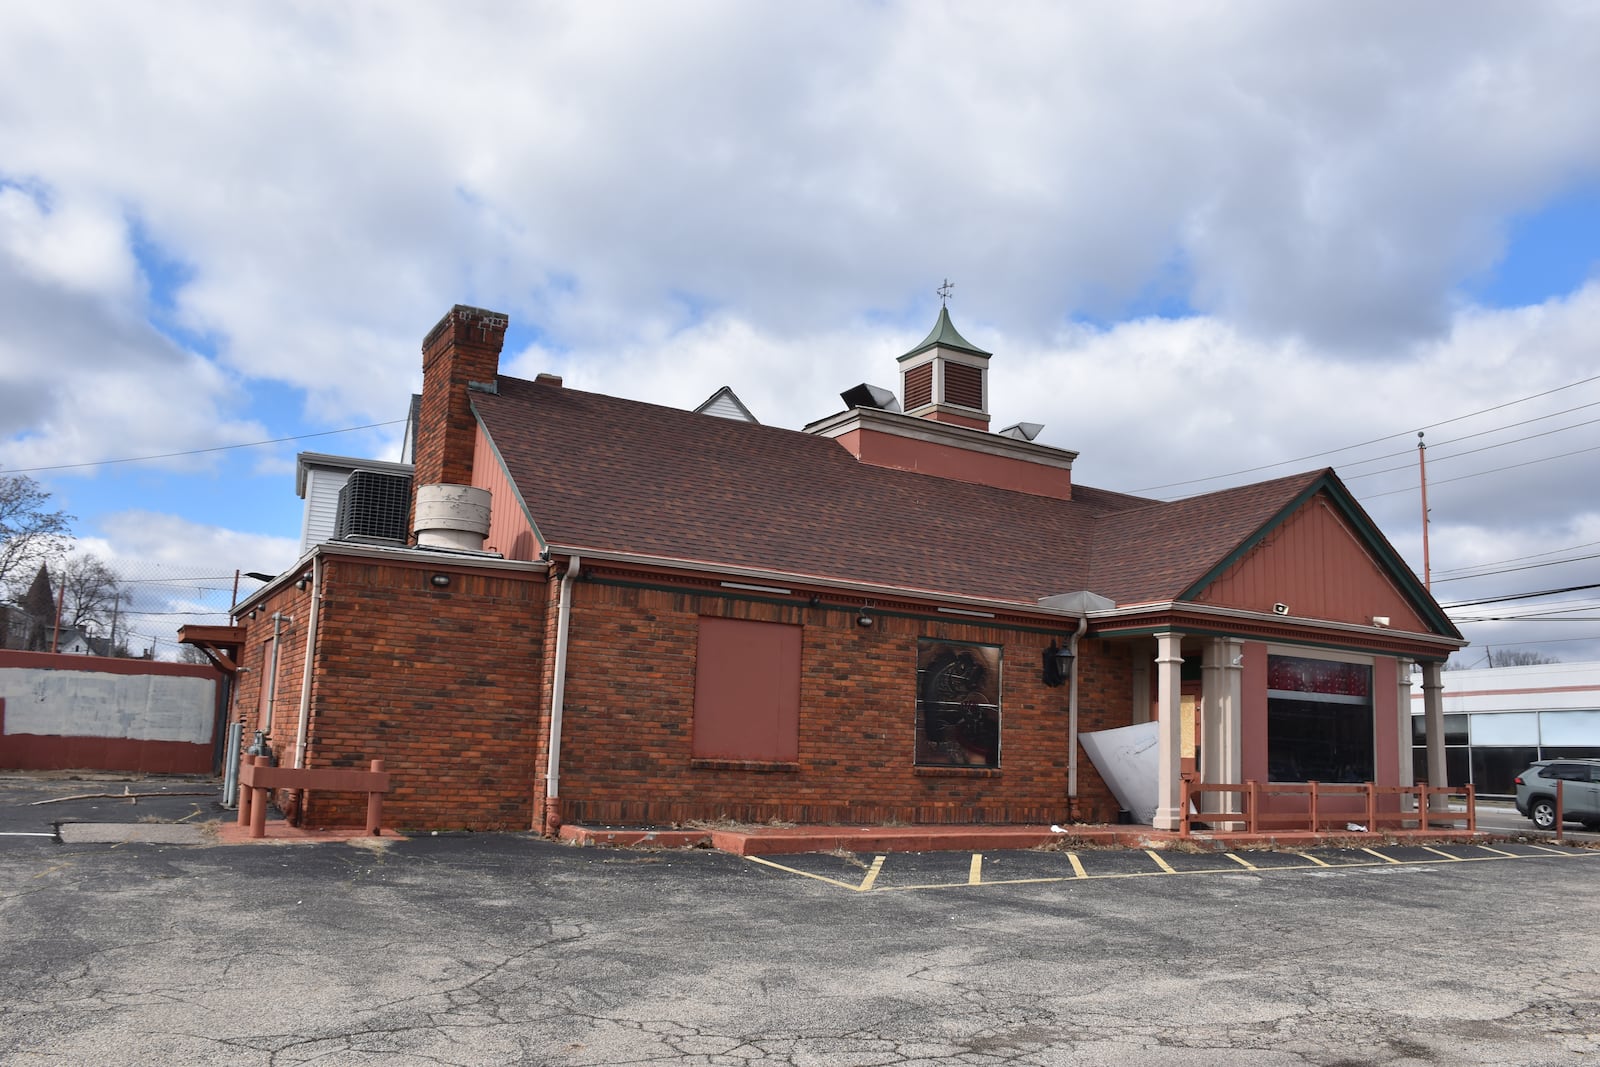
{"type": "Point", "coordinates": [958, 704]}
{"type": "Point", "coordinates": [747, 691]}
{"type": "Point", "coordinates": [1494, 767]}
{"type": "Point", "coordinates": [1319, 720]}
{"type": "Point", "coordinates": [1572, 772]}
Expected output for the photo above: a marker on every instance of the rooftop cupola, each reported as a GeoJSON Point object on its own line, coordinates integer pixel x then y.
{"type": "Point", "coordinates": [946, 378]}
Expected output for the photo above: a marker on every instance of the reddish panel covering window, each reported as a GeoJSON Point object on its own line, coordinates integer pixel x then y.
{"type": "Point", "coordinates": [747, 691]}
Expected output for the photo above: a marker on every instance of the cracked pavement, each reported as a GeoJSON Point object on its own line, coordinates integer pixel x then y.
{"type": "Point", "coordinates": [503, 949]}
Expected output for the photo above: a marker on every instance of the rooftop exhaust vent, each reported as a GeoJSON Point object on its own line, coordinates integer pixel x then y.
{"type": "Point", "coordinates": [1022, 431]}
{"type": "Point", "coordinates": [870, 396]}
{"type": "Point", "coordinates": [373, 508]}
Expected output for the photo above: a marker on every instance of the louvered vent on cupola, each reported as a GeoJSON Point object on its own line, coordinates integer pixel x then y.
{"type": "Point", "coordinates": [374, 507]}
{"type": "Point", "coordinates": [944, 378]}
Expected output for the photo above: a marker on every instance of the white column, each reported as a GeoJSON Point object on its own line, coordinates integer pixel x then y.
{"type": "Point", "coordinates": [1169, 688]}
{"type": "Point", "coordinates": [1213, 707]}
{"type": "Point", "coordinates": [1433, 714]}
{"type": "Point", "coordinates": [1407, 768]}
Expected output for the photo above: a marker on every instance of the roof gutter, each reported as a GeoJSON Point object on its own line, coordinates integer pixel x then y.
{"type": "Point", "coordinates": [558, 694]}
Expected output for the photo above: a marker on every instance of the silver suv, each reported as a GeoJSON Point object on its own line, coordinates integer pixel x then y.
{"type": "Point", "coordinates": [1580, 792]}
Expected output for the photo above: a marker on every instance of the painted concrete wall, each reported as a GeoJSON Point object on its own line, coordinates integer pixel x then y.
{"type": "Point", "coordinates": [65, 712]}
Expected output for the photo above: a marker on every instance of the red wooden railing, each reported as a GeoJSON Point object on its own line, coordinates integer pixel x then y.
{"type": "Point", "coordinates": [1419, 806]}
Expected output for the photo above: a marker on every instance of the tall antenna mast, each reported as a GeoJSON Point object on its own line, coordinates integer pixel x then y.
{"type": "Point", "coordinates": [1422, 467]}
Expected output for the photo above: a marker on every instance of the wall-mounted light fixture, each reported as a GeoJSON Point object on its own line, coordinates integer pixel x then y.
{"type": "Point", "coordinates": [303, 581]}
{"type": "Point", "coordinates": [440, 580]}
{"type": "Point", "coordinates": [1380, 620]}
{"type": "Point", "coordinates": [1057, 664]}
{"type": "Point", "coordinates": [1280, 609]}
{"type": "Point", "coordinates": [252, 613]}
{"type": "Point", "coordinates": [865, 618]}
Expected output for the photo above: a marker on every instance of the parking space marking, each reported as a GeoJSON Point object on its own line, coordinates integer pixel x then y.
{"type": "Point", "coordinates": [1163, 868]}
{"type": "Point", "coordinates": [872, 874]}
{"type": "Point", "coordinates": [808, 874]}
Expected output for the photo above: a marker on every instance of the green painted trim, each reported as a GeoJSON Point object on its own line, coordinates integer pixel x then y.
{"type": "Point", "coordinates": [512, 482]}
{"type": "Point", "coordinates": [1364, 527]}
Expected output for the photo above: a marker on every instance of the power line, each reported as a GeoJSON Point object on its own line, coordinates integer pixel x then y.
{"type": "Point", "coordinates": [1479, 474]}
{"type": "Point", "coordinates": [1373, 441]}
{"type": "Point", "coordinates": [1517, 559]}
{"type": "Point", "coordinates": [203, 451]}
{"type": "Point", "coordinates": [1519, 596]}
{"type": "Point", "coordinates": [1511, 570]}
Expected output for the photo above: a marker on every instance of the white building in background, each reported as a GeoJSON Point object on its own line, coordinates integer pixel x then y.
{"type": "Point", "coordinates": [1499, 720]}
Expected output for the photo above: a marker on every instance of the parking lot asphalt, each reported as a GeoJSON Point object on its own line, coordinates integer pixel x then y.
{"type": "Point", "coordinates": [507, 949]}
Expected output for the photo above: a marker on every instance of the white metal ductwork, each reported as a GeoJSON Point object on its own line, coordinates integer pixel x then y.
{"type": "Point", "coordinates": [452, 517]}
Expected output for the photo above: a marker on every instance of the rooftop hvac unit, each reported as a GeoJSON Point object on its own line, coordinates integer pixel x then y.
{"type": "Point", "coordinates": [374, 508]}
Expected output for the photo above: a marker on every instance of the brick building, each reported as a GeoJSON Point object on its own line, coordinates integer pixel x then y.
{"type": "Point", "coordinates": [638, 614]}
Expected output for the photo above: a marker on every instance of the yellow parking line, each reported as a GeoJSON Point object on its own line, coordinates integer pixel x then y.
{"type": "Point", "coordinates": [1498, 852]}
{"type": "Point", "coordinates": [1163, 864]}
{"type": "Point", "coordinates": [1313, 859]}
{"type": "Point", "coordinates": [872, 875]}
{"type": "Point", "coordinates": [1552, 851]}
{"type": "Point", "coordinates": [1436, 852]}
{"type": "Point", "coordinates": [803, 874]}
{"type": "Point", "coordinates": [975, 871]}
{"type": "Point", "coordinates": [1381, 856]}
{"type": "Point", "coordinates": [1077, 865]}
{"type": "Point", "coordinates": [1241, 861]}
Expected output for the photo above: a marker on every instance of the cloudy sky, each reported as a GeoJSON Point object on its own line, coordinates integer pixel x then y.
{"type": "Point", "coordinates": [1207, 243]}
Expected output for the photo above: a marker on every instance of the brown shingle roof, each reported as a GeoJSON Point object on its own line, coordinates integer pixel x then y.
{"type": "Point", "coordinates": [608, 474]}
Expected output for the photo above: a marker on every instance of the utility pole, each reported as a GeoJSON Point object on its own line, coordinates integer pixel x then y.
{"type": "Point", "coordinates": [1422, 467]}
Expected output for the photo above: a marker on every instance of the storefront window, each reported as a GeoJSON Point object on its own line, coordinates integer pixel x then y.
{"type": "Point", "coordinates": [1319, 720]}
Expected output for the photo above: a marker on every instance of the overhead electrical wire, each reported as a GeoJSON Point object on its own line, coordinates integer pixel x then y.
{"type": "Point", "coordinates": [203, 451]}
{"type": "Point", "coordinates": [1373, 441]}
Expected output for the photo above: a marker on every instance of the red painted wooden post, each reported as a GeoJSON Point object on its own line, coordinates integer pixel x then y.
{"type": "Point", "coordinates": [1253, 799]}
{"type": "Point", "coordinates": [245, 792]}
{"type": "Point", "coordinates": [1183, 806]}
{"type": "Point", "coordinates": [258, 806]}
{"type": "Point", "coordinates": [1372, 807]}
{"type": "Point", "coordinates": [1472, 810]}
{"type": "Point", "coordinates": [375, 804]}
{"type": "Point", "coordinates": [1315, 820]}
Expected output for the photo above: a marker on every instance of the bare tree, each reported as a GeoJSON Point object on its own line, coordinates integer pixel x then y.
{"type": "Point", "coordinates": [94, 598]}
{"type": "Point", "coordinates": [1516, 657]}
{"type": "Point", "coordinates": [30, 533]}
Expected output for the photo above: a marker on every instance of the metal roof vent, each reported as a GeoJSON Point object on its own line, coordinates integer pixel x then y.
{"type": "Point", "coordinates": [1022, 431]}
{"type": "Point", "coordinates": [870, 396]}
{"type": "Point", "coordinates": [373, 508]}
{"type": "Point", "coordinates": [452, 517]}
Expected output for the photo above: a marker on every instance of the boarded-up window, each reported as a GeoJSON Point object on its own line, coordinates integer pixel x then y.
{"type": "Point", "coordinates": [958, 704]}
{"type": "Point", "coordinates": [963, 385]}
{"type": "Point", "coordinates": [747, 691]}
{"type": "Point", "coordinates": [919, 386]}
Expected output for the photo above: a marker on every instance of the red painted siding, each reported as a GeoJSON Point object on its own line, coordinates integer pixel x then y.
{"type": "Point", "coordinates": [948, 461]}
{"type": "Point", "coordinates": [510, 533]}
{"type": "Point", "coordinates": [1314, 563]}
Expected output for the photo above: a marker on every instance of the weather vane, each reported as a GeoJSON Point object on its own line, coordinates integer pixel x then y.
{"type": "Point", "coordinates": [944, 292]}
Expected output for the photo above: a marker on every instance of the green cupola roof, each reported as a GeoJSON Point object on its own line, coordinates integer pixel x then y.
{"type": "Point", "coordinates": [944, 335]}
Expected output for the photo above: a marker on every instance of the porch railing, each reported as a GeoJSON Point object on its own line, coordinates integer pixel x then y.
{"type": "Point", "coordinates": [1419, 806]}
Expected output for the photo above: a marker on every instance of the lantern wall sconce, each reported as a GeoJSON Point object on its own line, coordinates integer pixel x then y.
{"type": "Point", "coordinates": [441, 581]}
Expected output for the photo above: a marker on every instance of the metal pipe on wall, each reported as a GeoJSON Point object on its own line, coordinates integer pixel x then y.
{"type": "Point", "coordinates": [305, 673]}
{"type": "Point", "coordinates": [1072, 710]}
{"type": "Point", "coordinates": [558, 690]}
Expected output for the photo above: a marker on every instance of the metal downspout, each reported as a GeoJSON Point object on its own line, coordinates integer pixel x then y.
{"type": "Point", "coordinates": [305, 673]}
{"type": "Point", "coordinates": [272, 678]}
{"type": "Point", "coordinates": [1072, 711]}
{"type": "Point", "coordinates": [558, 693]}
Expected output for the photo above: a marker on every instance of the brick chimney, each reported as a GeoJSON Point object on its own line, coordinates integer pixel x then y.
{"type": "Point", "coordinates": [463, 350]}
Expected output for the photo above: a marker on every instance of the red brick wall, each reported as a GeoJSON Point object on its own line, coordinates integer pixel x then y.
{"type": "Point", "coordinates": [441, 684]}
{"type": "Point", "coordinates": [626, 750]}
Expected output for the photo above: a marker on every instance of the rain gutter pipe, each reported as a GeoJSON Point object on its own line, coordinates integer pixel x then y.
{"type": "Point", "coordinates": [1072, 708]}
{"type": "Point", "coordinates": [272, 680]}
{"type": "Point", "coordinates": [558, 692]}
{"type": "Point", "coordinates": [305, 673]}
